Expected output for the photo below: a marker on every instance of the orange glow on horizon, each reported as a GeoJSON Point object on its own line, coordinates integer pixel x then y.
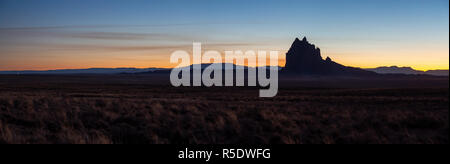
{"type": "Point", "coordinates": [160, 59]}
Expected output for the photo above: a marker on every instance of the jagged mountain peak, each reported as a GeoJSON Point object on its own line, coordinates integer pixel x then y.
{"type": "Point", "coordinates": [305, 58]}
{"type": "Point", "coordinates": [304, 39]}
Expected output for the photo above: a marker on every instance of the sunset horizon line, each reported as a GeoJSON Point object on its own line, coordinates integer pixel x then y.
{"type": "Point", "coordinates": [171, 67]}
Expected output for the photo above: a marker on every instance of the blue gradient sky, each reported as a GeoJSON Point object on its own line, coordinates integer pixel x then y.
{"type": "Point", "coordinates": [55, 34]}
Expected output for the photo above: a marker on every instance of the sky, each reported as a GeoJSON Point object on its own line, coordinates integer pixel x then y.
{"type": "Point", "coordinates": [72, 34]}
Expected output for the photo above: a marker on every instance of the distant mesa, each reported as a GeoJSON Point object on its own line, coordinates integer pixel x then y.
{"type": "Point", "coordinates": [304, 58]}
{"type": "Point", "coordinates": [407, 71]}
{"type": "Point", "coordinates": [84, 71]}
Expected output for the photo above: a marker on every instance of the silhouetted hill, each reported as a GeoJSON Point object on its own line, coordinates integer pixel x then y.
{"type": "Point", "coordinates": [86, 71]}
{"type": "Point", "coordinates": [408, 71]}
{"type": "Point", "coordinates": [224, 67]}
{"type": "Point", "coordinates": [304, 58]}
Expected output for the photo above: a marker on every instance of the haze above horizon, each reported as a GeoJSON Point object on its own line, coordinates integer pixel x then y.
{"type": "Point", "coordinates": [71, 34]}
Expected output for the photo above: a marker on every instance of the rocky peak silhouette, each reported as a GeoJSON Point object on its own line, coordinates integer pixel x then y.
{"type": "Point", "coordinates": [305, 58]}
{"type": "Point", "coordinates": [305, 40]}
